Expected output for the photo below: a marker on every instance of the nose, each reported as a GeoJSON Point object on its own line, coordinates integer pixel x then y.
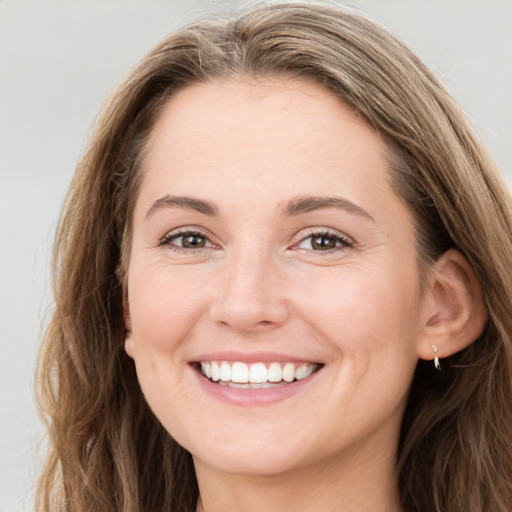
{"type": "Point", "coordinates": [251, 295]}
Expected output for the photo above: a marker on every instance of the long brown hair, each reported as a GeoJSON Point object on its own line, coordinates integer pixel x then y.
{"type": "Point", "coordinates": [106, 449]}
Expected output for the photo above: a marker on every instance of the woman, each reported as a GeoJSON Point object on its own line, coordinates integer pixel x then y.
{"type": "Point", "coordinates": [281, 282]}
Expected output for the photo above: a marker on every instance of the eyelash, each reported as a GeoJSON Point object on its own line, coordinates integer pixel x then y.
{"type": "Point", "coordinates": [168, 240]}
{"type": "Point", "coordinates": [341, 241]}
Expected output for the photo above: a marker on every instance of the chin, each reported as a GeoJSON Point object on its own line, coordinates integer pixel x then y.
{"type": "Point", "coordinates": [253, 463]}
{"type": "Point", "coordinates": [256, 455]}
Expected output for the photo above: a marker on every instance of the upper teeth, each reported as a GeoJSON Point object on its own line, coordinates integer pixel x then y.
{"type": "Point", "coordinates": [256, 373]}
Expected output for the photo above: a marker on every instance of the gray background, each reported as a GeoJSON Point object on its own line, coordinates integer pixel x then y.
{"type": "Point", "coordinates": [58, 61]}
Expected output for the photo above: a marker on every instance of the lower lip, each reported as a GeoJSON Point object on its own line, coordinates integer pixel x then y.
{"type": "Point", "coordinates": [253, 396]}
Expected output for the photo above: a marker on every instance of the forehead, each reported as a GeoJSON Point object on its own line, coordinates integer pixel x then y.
{"type": "Point", "coordinates": [250, 149]}
{"type": "Point", "coordinates": [274, 102]}
{"type": "Point", "coordinates": [248, 126]}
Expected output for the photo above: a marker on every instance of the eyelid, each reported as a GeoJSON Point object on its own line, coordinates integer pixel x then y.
{"type": "Point", "coordinates": [165, 241]}
{"type": "Point", "coordinates": [347, 241]}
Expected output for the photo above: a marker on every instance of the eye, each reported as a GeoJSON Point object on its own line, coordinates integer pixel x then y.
{"type": "Point", "coordinates": [186, 240]}
{"type": "Point", "coordinates": [324, 241]}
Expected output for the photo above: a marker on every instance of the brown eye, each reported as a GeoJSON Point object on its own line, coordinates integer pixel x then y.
{"type": "Point", "coordinates": [324, 242]}
{"type": "Point", "coordinates": [186, 240]}
{"type": "Point", "coordinates": [193, 241]}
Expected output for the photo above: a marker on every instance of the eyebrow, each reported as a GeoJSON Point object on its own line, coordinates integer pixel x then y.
{"type": "Point", "coordinates": [308, 204]}
{"type": "Point", "coordinates": [295, 207]}
{"type": "Point", "coordinates": [188, 203]}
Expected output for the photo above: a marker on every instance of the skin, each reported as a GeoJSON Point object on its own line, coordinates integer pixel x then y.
{"type": "Point", "coordinates": [251, 149]}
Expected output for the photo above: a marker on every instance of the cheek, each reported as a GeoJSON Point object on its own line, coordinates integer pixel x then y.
{"type": "Point", "coordinates": [163, 309]}
{"type": "Point", "coordinates": [372, 320]}
{"type": "Point", "coordinates": [365, 311]}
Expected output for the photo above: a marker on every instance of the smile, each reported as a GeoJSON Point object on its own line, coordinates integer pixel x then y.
{"type": "Point", "coordinates": [256, 375]}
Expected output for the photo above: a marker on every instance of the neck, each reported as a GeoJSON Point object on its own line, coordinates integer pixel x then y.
{"type": "Point", "coordinates": [352, 486]}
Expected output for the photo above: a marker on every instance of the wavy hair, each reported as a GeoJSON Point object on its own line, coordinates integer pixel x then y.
{"type": "Point", "coordinates": [106, 449]}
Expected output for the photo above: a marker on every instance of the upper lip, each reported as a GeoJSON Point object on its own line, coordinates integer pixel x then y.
{"type": "Point", "coordinates": [252, 357]}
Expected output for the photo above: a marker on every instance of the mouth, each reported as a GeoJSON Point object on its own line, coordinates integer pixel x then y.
{"type": "Point", "coordinates": [238, 374]}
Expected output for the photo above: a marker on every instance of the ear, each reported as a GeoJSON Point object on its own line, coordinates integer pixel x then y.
{"type": "Point", "coordinates": [454, 314]}
{"type": "Point", "coordinates": [129, 344]}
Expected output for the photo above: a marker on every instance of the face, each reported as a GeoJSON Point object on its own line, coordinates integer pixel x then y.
{"type": "Point", "coordinates": [273, 290]}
